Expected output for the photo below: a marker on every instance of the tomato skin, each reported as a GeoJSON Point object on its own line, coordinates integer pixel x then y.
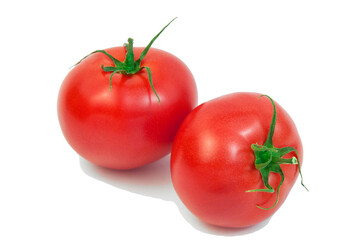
{"type": "Point", "coordinates": [212, 163]}
{"type": "Point", "coordinates": [125, 127]}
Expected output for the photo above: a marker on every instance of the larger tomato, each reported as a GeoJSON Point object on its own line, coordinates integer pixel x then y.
{"type": "Point", "coordinates": [234, 159]}
{"type": "Point", "coordinates": [131, 120]}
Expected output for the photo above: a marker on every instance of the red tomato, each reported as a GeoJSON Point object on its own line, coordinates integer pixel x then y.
{"type": "Point", "coordinates": [214, 166]}
{"type": "Point", "coordinates": [126, 126]}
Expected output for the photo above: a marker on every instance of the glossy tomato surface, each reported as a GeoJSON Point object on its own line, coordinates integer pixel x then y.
{"type": "Point", "coordinates": [125, 127]}
{"type": "Point", "coordinates": [213, 165]}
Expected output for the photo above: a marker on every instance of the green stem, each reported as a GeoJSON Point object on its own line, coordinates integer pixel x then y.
{"type": "Point", "coordinates": [269, 158]}
{"type": "Point", "coordinates": [151, 81]}
{"type": "Point", "coordinates": [269, 141]}
{"type": "Point", "coordinates": [129, 66]}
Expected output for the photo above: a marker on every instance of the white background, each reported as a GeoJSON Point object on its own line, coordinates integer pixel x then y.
{"type": "Point", "coordinates": [304, 54]}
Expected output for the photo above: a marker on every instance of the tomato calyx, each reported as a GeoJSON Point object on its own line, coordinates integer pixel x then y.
{"type": "Point", "coordinates": [269, 159]}
{"type": "Point", "coordinates": [130, 66]}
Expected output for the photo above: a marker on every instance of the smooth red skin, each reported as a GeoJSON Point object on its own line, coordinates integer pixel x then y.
{"type": "Point", "coordinates": [126, 127]}
{"type": "Point", "coordinates": [212, 163]}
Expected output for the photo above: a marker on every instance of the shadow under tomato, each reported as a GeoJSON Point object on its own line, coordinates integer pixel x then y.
{"type": "Point", "coordinates": [154, 180]}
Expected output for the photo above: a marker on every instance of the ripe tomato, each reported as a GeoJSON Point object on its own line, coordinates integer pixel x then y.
{"type": "Point", "coordinates": [126, 126]}
{"type": "Point", "coordinates": [220, 171]}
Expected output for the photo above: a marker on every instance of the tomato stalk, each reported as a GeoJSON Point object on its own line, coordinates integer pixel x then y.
{"type": "Point", "coordinates": [130, 66]}
{"type": "Point", "coordinates": [269, 159]}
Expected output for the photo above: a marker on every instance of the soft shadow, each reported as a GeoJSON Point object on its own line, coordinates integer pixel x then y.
{"type": "Point", "coordinates": [154, 180]}
{"type": "Point", "coordinates": [215, 230]}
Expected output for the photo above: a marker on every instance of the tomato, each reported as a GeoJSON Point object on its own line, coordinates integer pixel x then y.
{"type": "Point", "coordinates": [125, 120]}
{"type": "Point", "coordinates": [220, 168]}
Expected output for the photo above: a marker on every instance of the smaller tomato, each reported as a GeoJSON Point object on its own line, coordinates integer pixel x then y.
{"type": "Point", "coordinates": [226, 168]}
